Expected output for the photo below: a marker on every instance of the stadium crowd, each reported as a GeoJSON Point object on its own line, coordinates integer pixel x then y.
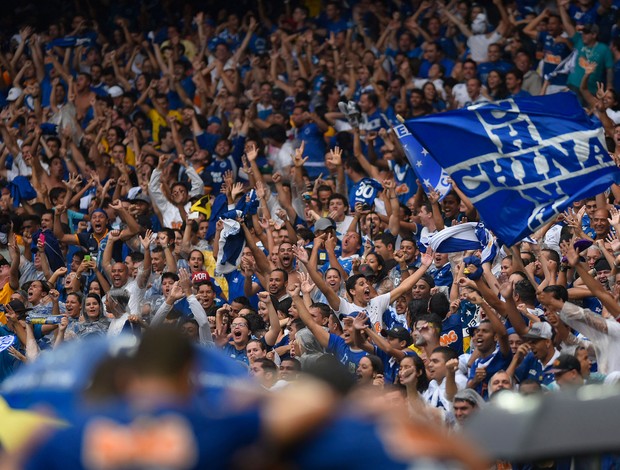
{"type": "Point", "coordinates": [233, 173]}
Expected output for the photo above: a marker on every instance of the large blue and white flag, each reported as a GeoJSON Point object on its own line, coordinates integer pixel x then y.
{"type": "Point", "coordinates": [521, 162]}
{"type": "Point", "coordinates": [427, 170]}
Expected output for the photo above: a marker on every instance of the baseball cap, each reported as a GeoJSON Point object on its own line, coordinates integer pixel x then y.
{"type": "Point", "coordinates": [539, 330]}
{"type": "Point", "coordinates": [141, 197]}
{"type": "Point", "coordinates": [324, 223]}
{"type": "Point", "coordinates": [18, 306]}
{"type": "Point", "coordinates": [398, 332]}
{"type": "Point", "coordinates": [590, 28]}
{"type": "Point", "coordinates": [200, 276]}
{"type": "Point", "coordinates": [352, 316]}
{"type": "Point", "coordinates": [469, 395]}
{"type": "Point", "coordinates": [14, 93]}
{"type": "Point", "coordinates": [602, 265]}
{"type": "Point", "coordinates": [115, 91]}
{"type": "Point", "coordinates": [565, 363]}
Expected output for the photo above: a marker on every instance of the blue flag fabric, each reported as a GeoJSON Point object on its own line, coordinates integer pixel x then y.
{"type": "Point", "coordinates": [425, 167]}
{"type": "Point", "coordinates": [521, 162]}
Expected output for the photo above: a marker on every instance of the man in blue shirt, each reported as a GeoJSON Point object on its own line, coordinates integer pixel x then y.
{"type": "Point", "coordinates": [495, 62]}
{"type": "Point", "coordinates": [492, 356]}
{"type": "Point", "coordinates": [514, 83]}
{"type": "Point", "coordinates": [310, 129]}
{"type": "Point", "coordinates": [538, 362]}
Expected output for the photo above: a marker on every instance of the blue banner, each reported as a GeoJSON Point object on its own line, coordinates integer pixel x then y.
{"type": "Point", "coordinates": [521, 162]}
{"type": "Point", "coordinates": [425, 167]}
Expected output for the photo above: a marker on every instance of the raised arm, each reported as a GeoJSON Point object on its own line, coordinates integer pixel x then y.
{"type": "Point", "coordinates": [271, 336]}
{"type": "Point", "coordinates": [332, 297]}
{"type": "Point", "coordinates": [320, 333]}
{"type": "Point", "coordinates": [15, 261]}
{"type": "Point", "coordinates": [407, 284]}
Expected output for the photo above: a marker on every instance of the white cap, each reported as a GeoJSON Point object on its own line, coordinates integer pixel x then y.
{"type": "Point", "coordinates": [14, 93]}
{"type": "Point", "coordinates": [115, 91]}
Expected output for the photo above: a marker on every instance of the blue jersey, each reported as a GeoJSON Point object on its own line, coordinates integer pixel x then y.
{"type": "Point", "coordinates": [390, 365]}
{"type": "Point", "coordinates": [343, 352]}
{"type": "Point", "coordinates": [492, 363]}
{"type": "Point", "coordinates": [213, 175]}
{"type": "Point", "coordinates": [594, 304]}
{"type": "Point", "coordinates": [442, 276]}
{"type": "Point", "coordinates": [314, 149]}
{"type": "Point", "coordinates": [404, 174]}
{"type": "Point", "coordinates": [553, 53]}
{"type": "Point", "coordinates": [485, 68]}
{"type": "Point", "coordinates": [237, 354]}
{"type": "Point", "coordinates": [213, 438]}
{"type": "Point", "coordinates": [364, 191]}
{"type": "Point", "coordinates": [235, 282]}
{"type": "Point", "coordinates": [532, 368]}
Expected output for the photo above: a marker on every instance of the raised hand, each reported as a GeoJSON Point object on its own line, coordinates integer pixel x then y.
{"type": "Point", "coordinates": [236, 190]}
{"type": "Point", "coordinates": [146, 240]}
{"type": "Point", "coordinates": [184, 281]}
{"type": "Point", "coordinates": [427, 258]}
{"type": "Point", "coordinates": [252, 152]}
{"type": "Point", "coordinates": [301, 254]}
{"type": "Point", "coordinates": [114, 235]}
{"type": "Point", "coordinates": [298, 156]}
{"type": "Point", "coordinates": [294, 289]}
{"type": "Point", "coordinates": [176, 293]}
{"type": "Point", "coordinates": [334, 157]}
{"type": "Point", "coordinates": [359, 322]}
{"type": "Point", "coordinates": [307, 286]}
{"type": "Point", "coordinates": [264, 297]}
{"type": "Point", "coordinates": [615, 216]}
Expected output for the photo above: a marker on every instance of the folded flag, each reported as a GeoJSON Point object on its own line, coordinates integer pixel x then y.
{"type": "Point", "coordinates": [565, 67]}
{"type": "Point", "coordinates": [460, 237]}
{"type": "Point", "coordinates": [218, 207]}
{"type": "Point", "coordinates": [21, 190]}
{"type": "Point", "coordinates": [232, 239]}
{"type": "Point", "coordinates": [231, 243]}
{"type": "Point", "coordinates": [525, 161]}
{"type": "Point", "coordinates": [425, 167]}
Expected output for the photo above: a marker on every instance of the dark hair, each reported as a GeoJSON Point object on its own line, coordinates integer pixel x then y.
{"type": "Point", "coordinates": [526, 291]}
{"type": "Point", "coordinates": [261, 345]}
{"type": "Point", "coordinates": [170, 275]}
{"type": "Point", "coordinates": [552, 255]}
{"type": "Point", "coordinates": [136, 256]}
{"type": "Point", "coordinates": [267, 364]}
{"type": "Point", "coordinates": [284, 273]}
{"type": "Point", "coordinates": [163, 352]}
{"type": "Point", "coordinates": [325, 309]}
{"type": "Point", "coordinates": [295, 362]}
{"type": "Point", "coordinates": [255, 322]}
{"type": "Point", "coordinates": [387, 239]}
{"type": "Point", "coordinates": [423, 382]}
{"type": "Point", "coordinates": [383, 272]}
{"type": "Point", "coordinates": [376, 363]}
{"type": "Point", "coordinates": [241, 300]}
{"type": "Point", "coordinates": [417, 308]}
{"type": "Point", "coordinates": [351, 281]}
{"type": "Point", "coordinates": [558, 292]}
{"type": "Point", "coordinates": [439, 304]}
{"type": "Point", "coordinates": [447, 352]}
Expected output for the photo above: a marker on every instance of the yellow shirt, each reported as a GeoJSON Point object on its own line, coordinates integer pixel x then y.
{"type": "Point", "coordinates": [130, 156]}
{"type": "Point", "coordinates": [5, 297]}
{"type": "Point", "coordinates": [158, 121]}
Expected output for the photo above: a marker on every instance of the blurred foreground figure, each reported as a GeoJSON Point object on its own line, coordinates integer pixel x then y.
{"type": "Point", "coordinates": [157, 423]}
